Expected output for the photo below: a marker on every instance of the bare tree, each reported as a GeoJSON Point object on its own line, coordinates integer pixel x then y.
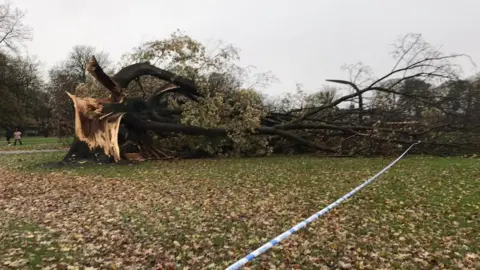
{"type": "Point", "coordinates": [415, 59]}
{"type": "Point", "coordinates": [13, 32]}
{"type": "Point", "coordinates": [80, 55]}
{"type": "Point", "coordinates": [21, 92]}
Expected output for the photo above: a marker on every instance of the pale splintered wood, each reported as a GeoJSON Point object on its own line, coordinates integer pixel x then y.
{"type": "Point", "coordinates": [95, 128]}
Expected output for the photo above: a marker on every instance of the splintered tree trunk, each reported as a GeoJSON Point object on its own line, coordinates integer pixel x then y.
{"type": "Point", "coordinates": [97, 121]}
{"type": "Point", "coordinates": [96, 133]}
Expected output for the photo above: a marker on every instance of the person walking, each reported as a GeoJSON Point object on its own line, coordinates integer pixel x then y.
{"type": "Point", "coordinates": [17, 135]}
{"type": "Point", "coordinates": [8, 135]}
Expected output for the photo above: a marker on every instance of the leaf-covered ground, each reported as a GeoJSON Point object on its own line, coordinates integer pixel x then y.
{"type": "Point", "coordinates": [206, 214]}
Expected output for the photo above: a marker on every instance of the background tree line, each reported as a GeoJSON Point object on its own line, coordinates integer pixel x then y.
{"type": "Point", "coordinates": [422, 98]}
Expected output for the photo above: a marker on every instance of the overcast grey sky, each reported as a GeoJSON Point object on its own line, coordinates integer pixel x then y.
{"type": "Point", "coordinates": [301, 41]}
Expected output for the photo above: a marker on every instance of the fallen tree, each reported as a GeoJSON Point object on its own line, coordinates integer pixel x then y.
{"type": "Point", "coordinates": [393, 111]}
{"type": "Point", "coordinates": [98, 122]}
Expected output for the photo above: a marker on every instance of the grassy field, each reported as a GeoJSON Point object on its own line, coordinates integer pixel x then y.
{"type": "Point", "coordinates": [31, 143]}
{"type": "Point", "coordinates": [206, 214]}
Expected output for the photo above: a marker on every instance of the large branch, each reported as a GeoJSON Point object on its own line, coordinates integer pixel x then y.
{"type": "Point", "coordinates": [358, 93]}
{"type": "Point", "coordinates": [97, 72]}
{"type": "Point", "coordinates": [129, 73]}
{"type": "Point", "coordinates": [354, 129]}
{"type": "Point", "coordinates": [291, 136]}
{"type": "Point", "coordinates": [153, 100]}
{"type": "Point", "coordinates": [417, 64]}
{"type": "Point", "coordinates": [360, 97]}
{"type": "Point", "coordinates": [218, 132]}
{"type": "Point", "coordinates": [421, 99]}
{"type": "Point", "coordinates": [178, 128]}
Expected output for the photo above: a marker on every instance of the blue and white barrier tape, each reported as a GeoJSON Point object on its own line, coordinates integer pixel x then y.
{"type": "Point", "coordinates": [304, 223]}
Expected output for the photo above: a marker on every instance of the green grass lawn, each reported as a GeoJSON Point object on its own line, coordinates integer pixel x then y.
{"type": "Point", "coordinates": [206, 214]}
{"type": "Point", "coordinates": [31, 143]}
